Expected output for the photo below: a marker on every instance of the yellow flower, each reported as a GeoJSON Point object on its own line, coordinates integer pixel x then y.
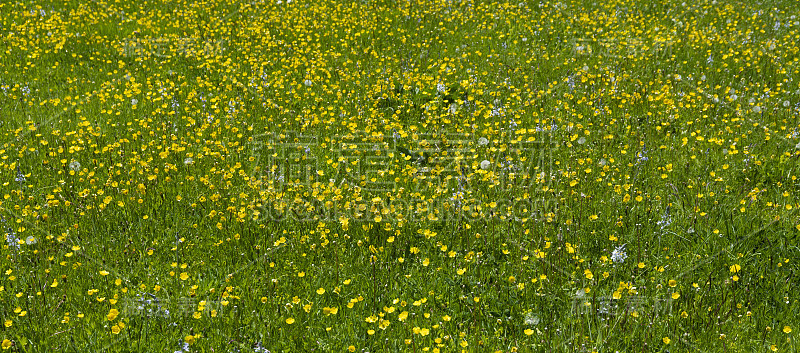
{"type": "Point", "coordinates": [676, 295]}
{"type": "Point", "coordinates": [735, 268]}
{"type": "Point", "coordinates": [115, 329]}
{"type": "Point", "coordinates": [6, 344]}
{"type": "Point", "coordinates": [787, 329]}
{"type": "Point", "coordinates": [189, 339]}
{"type": "Point", "coordinates": [321, 291]}
{"type": "Point", "coordinates": [666, 340]}
{"type": "Point", "coordinates": [184, 276]}
{"type": "Point", "coordinates": [289, 321]}
{"type": "Point", "coordinates": [672, 283]}
{"type": "Point", "coordinates": [112, 314]}
{"type": "Point", "coordinates": [330, 311]}
{"type": "Point", "coordinates": [528, 332]}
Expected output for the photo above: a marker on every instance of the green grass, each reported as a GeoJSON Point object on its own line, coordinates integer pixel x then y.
{"type": "Point", "coordinates": [381, 176]}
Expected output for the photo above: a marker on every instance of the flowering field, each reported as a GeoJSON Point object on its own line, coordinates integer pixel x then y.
{"type": "Point", "coordinates": [383, 176]}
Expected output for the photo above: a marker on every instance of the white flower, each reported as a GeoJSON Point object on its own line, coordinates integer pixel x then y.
{"type": "Point", "coordinates": [797, 146]}
{"type": "Point", "coordinates": [581, 140]}
{"type": "Point", "coordinates": [485, 164]}
{"type": "Point", "coordinates": [665, 221]}
{"type": "Point", "coordinates": [75, 166]}
{"type": "Point", "coordinates": [260, 349]}
{"type": "Point", "coordinates": [756, 109]}
{"type": "Point", "coordinates": [441, 88]}
{"type": "Point", "coordinates": [619, 255]}
{"type": "Point", "coordinates": [531, 319]}
{"type": "Point", "coordinates": [786, 104]}
{"type": "Point", "coordinates": [734, 97]}
{"type": "Point", "coordinates": [483, 141]}
{"type": "Point", "coordinates": [188, 161]}
{"type": "Point", "coordinates": [307, 82]}
{"type": "Point", "coordinates": [185, 347]}
{"type": "Point", "coordinates": [12, 240]}
{"type": "Point", "coordinates": [453, 108]}
{"type": "Point", "coordinates": [30, 240]}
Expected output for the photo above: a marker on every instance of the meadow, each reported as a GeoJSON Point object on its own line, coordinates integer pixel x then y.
{"type": "Point", "coordinates": [410, 175]}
